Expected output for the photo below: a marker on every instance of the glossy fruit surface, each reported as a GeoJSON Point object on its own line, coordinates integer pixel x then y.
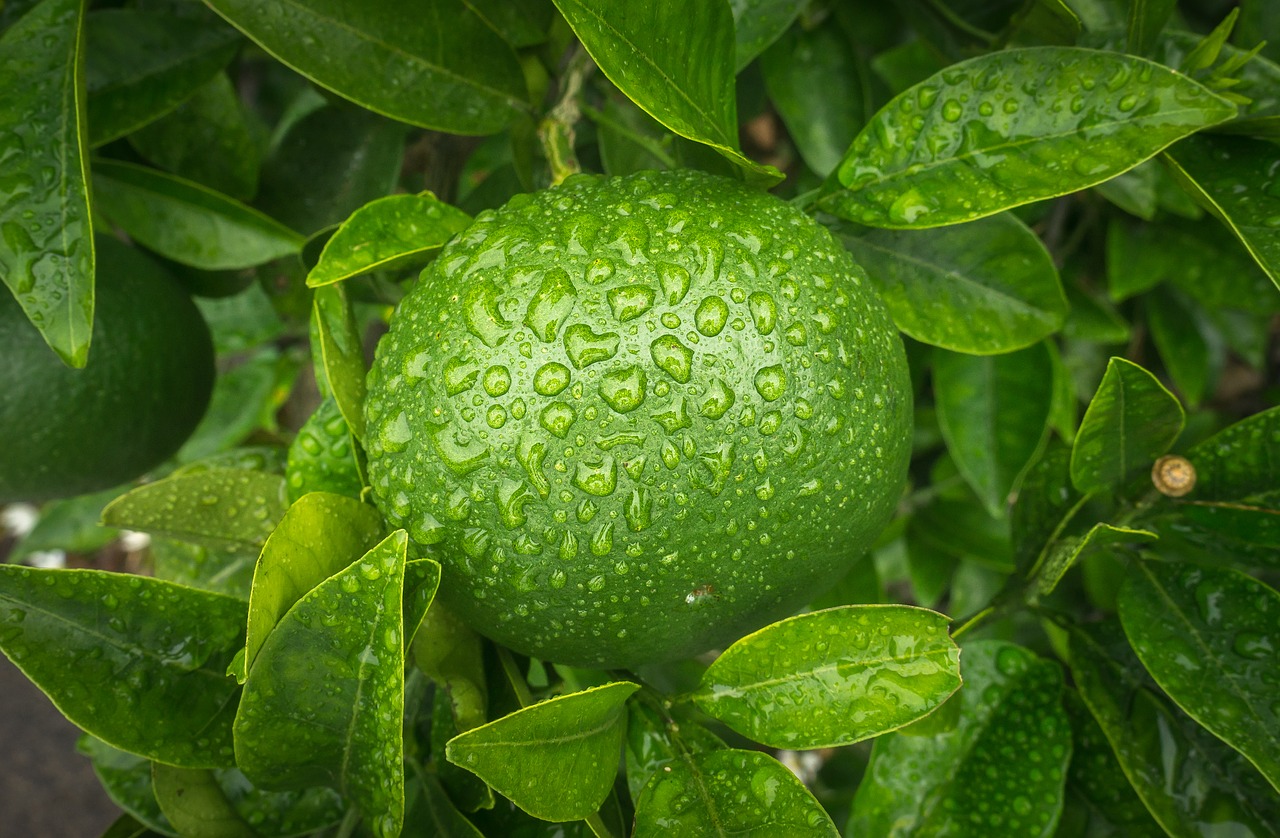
{"type": "Point", "coordinates": [639, 417]}
{"type": "Point", "coordinates": [66, 432]}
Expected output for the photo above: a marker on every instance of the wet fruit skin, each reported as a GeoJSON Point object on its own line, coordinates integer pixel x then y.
{"type": "Point", "coordinates": [66, 432]}
{"type": "Point", "coordinates": [636, 418]}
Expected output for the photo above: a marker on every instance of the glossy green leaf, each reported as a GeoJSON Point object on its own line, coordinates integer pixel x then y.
{"type": "Point", "coordinates": [112, 648]}
{"type": "Point", "coordinates": [1146, 19]}
{"type": "Point", "coordinates": [1192, 783]}
{"type": "Point", "coordinates": [994, 412]}
{"type": "Point", "coordinates": [962, 528]}
{"type": "Point", "coordinates": [655, 740]}
{"type": "Point", "coordinates": [220, 507]}
{"type": "Point", "coordinates": [317, 537]}
{"type": "Point", "coordinates": [729, 792]}
{"type": "Point", "coordinates": [1069, 550]}
{"type": "Point", "coordinates": [522, 23]}
{"type": "Point", "coordinates": [141, 64]}
{"type": "Point", "coordinates": [629, 139]}
{"type": "Point", "coordinates": [324, 702]}
{"type": "Point", "coordinates": [674, 61]}
{"type": "Point", "coordinates": [73, 524]}
{"type": "Point", "coordinates": [207, 139]}
{"type": "Point", "coordinates": [397, 231]}
{"type": "Point", "coordinates": [451, 654]}
{"type": "Point", "coordinates": [833, 677]}
{"type": "Point", "coordinates": [186, 222]}
{"type": "Point", "coordinates": [1257, 79]}
{"type": "Point", "coordinates": [193, 802]}
{"type": "Point", "coordinates": [1238, 180]}
{"type": "Point", "coordinates": [468, 791]}
{"type": "Point", "coordinates": [1043, 22]}
{"type": "Point", "coordinates": [1239, 461]}
{"type": "Point", "coordinates": [383, 59]}
{"type": "Point", "coordinates": [126, 778]}
{"type": "Point", "coordinates": [342, 353]}
{"type": "Point", "coordinates": [321, 456]}
{"type": "Point", "coordinates": [757, 24]}
{"type": "Point", "coordinates": [421, 580]}
{"type": "Point", "coordinates": [1211, 639]}
{"type": "Point", "coordinates": [228, 570]}
{"type": "Point", "coordinates": [1013, 127]}
{"type": "Point", "coordinates": [556, 760]}
{"type": "Point", "coordinates": [1106, 806]}
{"type": "Point", "coordinates": [126, 826]}
{"type": "Point", "coordinates": [46, 250]}
{"type": "Point", "coordinates": [1134, 191]}
{"type": "Point", "coordinates": [818, 86]}
{"type": "Point", "coordinates": [328, 164]}
{"type": "Point", "coordinates": [995, 767]}
{"type": "Point", "coordinates": [1045, 498]}
{"type": "Point", "coordinates": [1132, 419]}
{"type": "Point", "coordinates": [984, 287]}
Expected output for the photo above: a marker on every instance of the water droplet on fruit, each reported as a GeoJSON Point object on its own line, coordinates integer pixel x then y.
{"type": "Point", "coordinates": [480, 311]}
{"type": "Point", "coordinates": [711, 316]}
{"type": "Point", "coordinates": [623, 389]}
{"type": "Point", "coordinates": [674, 281]}
{"type": "Point", "coordinates": [764, 312]}
{"type": "Point", "coordinates": [558, 418]}
{"type": "Point", "coordinates": [460, 375]}
{"type": "Point", "coordinates": [497, 380]}
{"type": "Point", "coordinates": [602, 541]}
{"type": "Point", "coordinates": [639, 509]}
{"type": "Point", "coordinates": [551, 305]}
{"type": "Point", "coordinates": [598, 478]}
{"type": "Point", "coordinates": [672, 357]}
{"type": "Point", "coordinates": [771, 382]}
{"type": "Point", "coordinates": [584, 347]}
{"type": "Point", "coordinates": [630, 301]}
{"type": "Point", "coordinates": [550, 379]}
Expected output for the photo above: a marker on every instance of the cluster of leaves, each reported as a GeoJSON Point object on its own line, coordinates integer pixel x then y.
{"type": "Point", "coordinates": [1071, 208]}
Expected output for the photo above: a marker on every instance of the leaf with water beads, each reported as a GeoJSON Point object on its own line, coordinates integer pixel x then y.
{"type": "Point", "coordinates": [729, 792]}
{"type": "Point", "coordinates": [833, 677]}
{"type": "Point", "coordinates": [1211, 638]}
{"type": "Point", "coordinates": [556, 760]}
{"type": "Point", "coordinates": [1190, 781]}
{"type": "Point", "coordinates": [341, 353]}
{"type": "Point", "coordinates": [322, 457]}
{"type": "Point", "coordinates": [1238, 179]}
{"type": "Point", "coordinates": [318, 536]}
{"type": "Point", "coordinates": [1013, 127]}
{"type": "Point", "coordinates": [985, 287]}
{"type": "Point", "coordinates": [994, 766]}
{"type": "Point", "coordinates": [394, 232]}
{"type": "Point", "coordinates": [324, 701]}
{"type": "Point", "coordinates": [1131, 420]}
{"type": "Point", "coordinates": [655, 740]}
{"type": "Point", "coordinates": [46, 252]}
{"type": "Point", "coordinates": [112, 649]}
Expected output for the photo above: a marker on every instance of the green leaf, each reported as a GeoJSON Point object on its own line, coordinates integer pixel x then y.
{"type": "Point", "coordinates": [466, 789]}
{"type": "Point", "coordinates": [1190, 781]}
{"type": "Point", "coordinates": [1192, 351]}
{"type": "Point", "coordinates": [330, 163]}
{"type": "Point", "coordinates": [126, 778]}
{"type": "Point", "coordinates": [1204, 260]}
{"type": "Point", "coordinates": [318, 536]}
{"type": "Point", "coordinates": [186, 222]}
{"type": "Point", "coordinates": [46, 250]}
{"type": "Point", "coordinates": [1239, 461]}
{"type": "Point", "coordinates": [674, 61]}
{"type": "Point", "coordinates": [1013, 127]}
{"type": "Point", "coordinates": [997, 766]}
{"type": "Point", "coordinates": [757, 24]}
{"type": "Point", "coordinates": [397, 231]}
{"type": "Point", "coordinates": [1134, 191]}
{"type": "Point", "coordinates": [994, 413]}
{"type": "Point", "coordinates": [383, 59]}
{"type": "Point", "coordinates": [818, 86]}
{"type": "Point", "coordinates": [451, 654]}
{"type": "Point", "coordinates": [1043, 22]}
{"type": "Point", "coordinates": [220, 507]}
{"type": "Point", "coordinates": [1104, 804]}
{"type": "Point", "coordinates": [125, 826]}
{"type": "Point", "coordinates": [1131, 420]}
{"type": "Point", "coordinates": [1045, 498]}
{"type": "Point", "coordinates": [193, 802]}
{"type": "Point", "coordinates": [431, 814]}
{"type": "Point", "coordinates": [321, 456]}
{"type": "Point", "coordinates": [140, 65]}
{"type": "Point", "coordinates": [341, 351]}
{"type": "Point", "coordinates": [556, 760]}
{"type": "Point", "coordinates": [73, 524]}
{"type": "Point", "coordinates": [245, 398]}
{"type": "Point", "coordinates": [1237, 180]}
{"type": "Point", "coordinates": [984, 287]}
{"type": "Point", "coordinates": [729, 792]}
{"type": "Point", "coordinates": [629, 140]}
{"type": "Point", "coordinates": [1066, 552]}
{"type": "Point", "coordinates": [207, 139]}
{"type": "Point", "coordinates": [224, 571]}
{"type": "Point", "coordinates": [324, 702]}
{"type": "Point", "coordinates": [655, 740]}
{"type": "Point", "coordinates": [1146, 20]}
{"type": "Point", "coordinates": [1210, 638]}
{"type": "Point", "coordinates": [830, 678]}
{"type": "Point", "coordinates": [110, 649]}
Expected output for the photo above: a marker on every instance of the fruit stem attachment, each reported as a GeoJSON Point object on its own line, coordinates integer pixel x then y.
{"type": "Point", "coordinates": [556, 131]}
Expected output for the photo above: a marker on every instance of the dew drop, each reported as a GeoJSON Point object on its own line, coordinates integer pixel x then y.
{"type": "Point", "coordinates": [584, 347]}
{"type": "Point", "coordinates": [550, 379]}
{"type": "Point", "coordinates": [711, 316]}
{"type": "Point", "coordinates": [770, 382]}
{"type": "Point", "coordinates": [623, 389]}
{"type": "Point", "coordinates": [672, 357]}
{"type": "Point", "coordinates": [630, 301]}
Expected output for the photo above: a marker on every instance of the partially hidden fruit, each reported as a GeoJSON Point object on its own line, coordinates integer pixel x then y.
{"type": "Point", "coordinates": [639, 417]}
{"type": "Point", "coordinates": [66, 432]}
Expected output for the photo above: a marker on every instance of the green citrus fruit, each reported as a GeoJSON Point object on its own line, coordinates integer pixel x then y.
{"type": "Point", "coordinates": [639, 417]}
{"type": "Point", "coordinates": [66, 432]}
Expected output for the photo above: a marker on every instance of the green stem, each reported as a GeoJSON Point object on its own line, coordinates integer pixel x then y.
{"type": "Point", "coordinates": [349, 823]}
{"type": "Point", "coordinates": [514, 676]}
{"type": "Point", "coordinates": [597, 826]}
{"type": "Point", "coordinates": [556, 131]}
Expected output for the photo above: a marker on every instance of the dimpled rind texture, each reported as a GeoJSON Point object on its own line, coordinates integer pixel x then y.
{"type": "Point", "coordinates": [637, 418]}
